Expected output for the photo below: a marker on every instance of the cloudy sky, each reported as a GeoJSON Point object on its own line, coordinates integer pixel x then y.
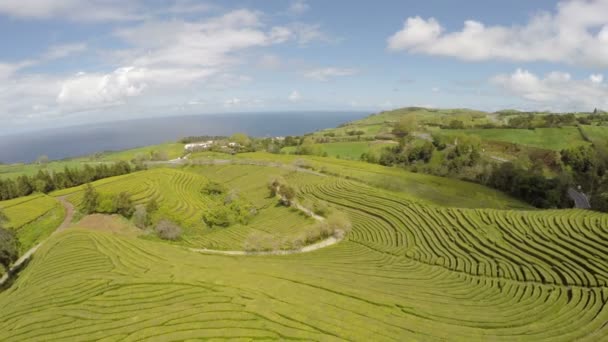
{"type": "Point", "coordinates": [71, 61]}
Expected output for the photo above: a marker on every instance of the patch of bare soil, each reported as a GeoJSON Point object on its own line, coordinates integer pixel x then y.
{"type": "Point", "coordinates": [109, 223]}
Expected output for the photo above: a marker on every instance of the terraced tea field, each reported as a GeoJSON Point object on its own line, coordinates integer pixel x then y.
{"type": "Point", "coordinates": [33, 218]}
{"type": "Point", "coordinates": [407, 271]}
{"type": "Point", "coordinates": [179, 195]}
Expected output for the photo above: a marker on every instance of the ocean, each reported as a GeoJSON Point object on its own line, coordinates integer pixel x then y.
{"type": "Point", "coordinates": [74, 141]}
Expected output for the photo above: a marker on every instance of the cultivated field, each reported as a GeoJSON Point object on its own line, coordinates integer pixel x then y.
{"type": "Point", "coordinates": [34, 218]}
{"type": "Point", "coordinates": [179, 195]}
{"type": "Point", "coordinates": [409, 269]}
{"type": "Point", "coordinates": [406, 272]}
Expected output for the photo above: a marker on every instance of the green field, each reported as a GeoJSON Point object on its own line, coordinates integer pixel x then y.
{"type": "Point", "coordinates": [179, 194]}
{"type": "Point", "coordinates": [33, 218]}
{"type": "Point", "coordinates": [15, 170]}
{"type": "Point", "coordinates": [597, 133]}
{"type": "Point", "coordinates": [172, 151]}
{"type": "Point", "coordinates": [346, 150]}
{"type": "Point", "coordinates": [428, 258]}
{"type": "Point", "coordinates": [413, 186]}
{"type": "Point", "coordinates": [555, 139]}
{"type": "Point", "coordinates": [406, 272]}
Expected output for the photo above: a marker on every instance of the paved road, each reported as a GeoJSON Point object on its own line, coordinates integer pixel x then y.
{"type": "Point", "coordinates": [580, 199]}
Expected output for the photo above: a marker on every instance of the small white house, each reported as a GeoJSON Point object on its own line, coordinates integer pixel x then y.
{"type": "Point", "coordinates": [199, 145]}
{"type": "Point", "coordinates": [233, 144]}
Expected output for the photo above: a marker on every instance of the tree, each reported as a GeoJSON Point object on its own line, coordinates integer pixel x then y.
{"type": "Point", "coordinates": [141, 219]}
{"type": "Point", "coordinates": [168, 230]}
{"type": "Point", "coordinates": [42, 160]}
{"type": "Point", "coordinates": [406, 125]}
{"type": "Point", "coordinates": [124, 205]}
{"type": "Point", "coordinates": [152, 206]}
{"type": "Point", "coordinates": [90, 199]}
{"type": "Point", "coordinates": [9, 244]}
{"type": "Point", "coordinates": [456, 124]}
{"type": "Point", "coordinates": [9, 247]}
{"type": "Point", "coordinates": [241, 139]}
{"type": "Point", "coordinates": [287, 194]}
{"type": "Point", "coordinates": [214, 189]}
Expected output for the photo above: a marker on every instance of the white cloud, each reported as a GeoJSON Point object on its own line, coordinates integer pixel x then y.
{"type": "Point", "coordinates": [556, 90]}
{"type": "Point", "coordinates": [298, 7]}
{"type": "Point", "coordinates": [172, 55]}
{"type": "Point", "coordinates": [294, 96]}
{"type": "Point", "coordinates": [436, 89]}
{"type": "Point", "coordinates": [325, 74]}
{"type": "Point", "coordinates": [596, 78]}
{"type": "Point", "coordinates": [77, 10]}
{"type": "Point", "coordinates": [577, 33]}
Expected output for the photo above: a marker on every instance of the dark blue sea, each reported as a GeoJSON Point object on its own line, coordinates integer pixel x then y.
{"type": "Point", "coordinates": [74, 141]}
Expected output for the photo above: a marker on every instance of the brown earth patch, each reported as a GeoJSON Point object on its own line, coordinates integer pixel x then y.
{"type": "Point", "coordinates": [109, 223]}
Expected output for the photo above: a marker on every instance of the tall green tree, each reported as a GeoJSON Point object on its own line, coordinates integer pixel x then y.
{"type": "Point", "coordinates": [9, 244]}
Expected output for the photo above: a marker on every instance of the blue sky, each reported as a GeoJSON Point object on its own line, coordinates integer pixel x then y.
{"type": "Point", "coordinates": [71, 61]}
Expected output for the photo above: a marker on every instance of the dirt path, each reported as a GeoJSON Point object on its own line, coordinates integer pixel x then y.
{"type": "Point", "coordinates": [580, 199]}
{"type": "Point", "coordinates": [315, 246]}
{"type": "Point", "coordinates": [69, 214]}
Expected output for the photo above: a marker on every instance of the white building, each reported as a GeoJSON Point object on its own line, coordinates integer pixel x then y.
{"type": "Point", "coordinates": [199, 145]}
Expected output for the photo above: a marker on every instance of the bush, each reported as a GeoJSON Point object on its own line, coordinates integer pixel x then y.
{"type": "Point", "coordinates": [214, 188]}
{"type": "Point", "coordinates": [9, 247]}
{"type": "Point", "coordinates": [107, 205]}
{"type": "Point", "coordinates": [90, 199]}
{"type": "Point", "coordinates": [124, 205]}
{"type": "Point", "coordinates": [140, 217]}
{"type": "Point", "coordinates": [220, 216]}
{"type": "Point", "coordinates": [168, 230]}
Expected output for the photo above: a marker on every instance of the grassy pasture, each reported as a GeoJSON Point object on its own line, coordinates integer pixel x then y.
{"type": "Point", "coordinates": [597, 134]}
{"type": "Point", "coordinates": [346, 150]}
{"type": "Point", "coordinates": [554, 139]}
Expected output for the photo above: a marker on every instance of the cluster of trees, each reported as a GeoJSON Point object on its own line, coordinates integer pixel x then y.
{"type": "Point", "coordinates": [588, 166]}
{"type": "Point", "coordinates": [530, 185]}
{"type": "Point", "coordinates": [193, 139]}
{"type": "Point", "coordinates": [94, 202]}
{"type": "Point", "coordinates": [45, 181]}
{"type": "Point", "coordinates": [402, 154]}
{"type": "Point", "coordinates": [279, 187]}
{"type": "Point", "coordinates": [228, 207]}
{"type": "Point", "coordinates": [531, 121]}
{"type": "Point", "coordinates": [9, 244]}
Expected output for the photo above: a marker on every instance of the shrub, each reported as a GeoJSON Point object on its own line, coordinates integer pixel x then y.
{"type": "Point", "coordinates": [9, 247]}
{"type": "Point", "coordinates": [321, 208]}
{"type": "Point", "coordinates": [90, 199]}
{"type": "Point", "coordinates": [124, 205]}
{"type": "Point", "coordinates": [220, 216]}
{"type": "Point", "coordinates": [214, 188]}
{"type": "Point", "coordinates": [140, 217]}
{"type": "Point", "coordinates": [107, 205]}
{"type": "Point", "coordinates": [152, 206]}
{"type": "Point", "coordinates": [168, 230]}
{"type": "Point", "coordinates": [287, 194]}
